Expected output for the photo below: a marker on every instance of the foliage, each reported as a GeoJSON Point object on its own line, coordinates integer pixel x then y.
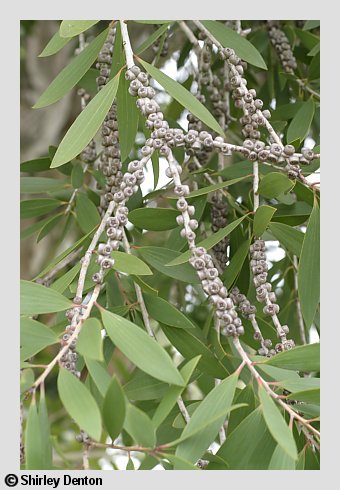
{"type": "Point", "coordinates": [141, 363]}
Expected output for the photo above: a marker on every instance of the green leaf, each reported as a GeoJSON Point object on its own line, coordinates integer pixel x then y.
{"type": "Point", "coordinates": [231, 39]}
{"type": "Point", "coordinates": [249, 446]}
{"type": "Point", "coordinates": [301, 358]}
{"type": "Point", "coordinates": [37, 207]}
{"type": "Point", "coordinates": [34, 336]}
{"type": "Point", "coordinates": [63, 255]}
{"type": "Point", "coordinates": [79, 403]}
{"type": "Point", "coordinates": [154, 219]}
{"type": "Point", "coordinates": [130, 465]}
{"type": "Point", "coordinates": [293, 214]}
{"type": "Point", "coordinates": [34, 452]}
{"type": "Point", "coordinates": [127, 117]}
{"type": "Point", "coordinates": [311, 24]}
{"type": "Point", "coordinates": [71, 74]}
{"type": "Point", "coordinates": [144, 387]}
{"type": "Point", "coordinates": [71, 28]}
{"type": "Point", "coordinates": [309, 268]}
{"type": "Point", "coordinates": [141, 349]}
{"type": "Point", "coordinates": [170, 398]}
{"type": "Point", "coordinates": [86, 125]}
{"type": "Point", "coordinates": [49, 225]}
{"type": "Point", "coordinates": [152, 38]}
{"type": "Point", "coordinates": [99, 375]}
{"type": "Point", "coordinates": [140, 427]}
{"type": "Point", "coordinates": [262, 219]}
{"type": "Point", "coordinates": [114, 409]}
{"type": "Point", "coordinates": [300, 384]}
{"type": "Point", "coordinates": [274, 184]}
{"type": "Point", "coordinates": [37, 185]}
{"type": "Point", "coordinates": [314, 50]}
{"type": "Point", "coordinates": [64, 281]}
{"type": "Point", "coordinates": [35, 299]}
{"type": "Point", "coordinates": [277, 425]}
{"type": "Point", "coordinates": [281, 461]}
{"type": "Point", "coordinates": [183, 96]}
{"type": "Point", "coordinates": [55, 44]}
{"type": "Point", "coordinates": [130, 264]}
{"type": "Point", "coordinates": [158, 257]}
{"type": "Point", "coordinates": [87, 213]}
{"type": "Point", "coordinates": [26, 380]}
{"type": "Point", "coordinates": [220, 398]}
{"type": "Point", "coordinates": [236, 263]}
{"type": "Point", "coordinates": [215, 187]}
{"type": "Point", "coordinates": [77, 175]}
{"type": "Point", "coordinates": [36, 165]}
{"type": "Point", "coordinates": [90, 341]}
{"type": "Point", "coordinates": [45, 433]}
{"type": "Point", "coordinates": [180, 463]}
{"type": "Point", "coordinates": [307, 396]}
{"type": "Point", "coordinates": [190, 346]}
{"type": "Point", "coordinates": [289, 237]}
{"type": "Point", "coordinates": [209, 242]}
{"type": "Point", "coordinates": [299, 127]}
{"type": "Point", "coordinates": [164, 312]}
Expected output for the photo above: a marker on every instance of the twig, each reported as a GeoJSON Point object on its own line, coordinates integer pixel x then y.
{"type": "Point", "coordinates": [74, 336]}
{"type": "Point", "coordinates": [86, 464]}
{"type": "Point", "coordinates": [63, 263]}
{"type": "Point", "coordinates": [256, 185]}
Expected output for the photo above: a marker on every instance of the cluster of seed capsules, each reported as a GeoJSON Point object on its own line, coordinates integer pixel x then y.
{"type": "Point", "coordinates": [264, 293]}
{"type": "Point", "coordinates": [110, 163]}
{"type": "Point", "coordinates": [219, 212]}
{"type": "Point", "coordinates": [282, 46]}
{"type": "Point", "coordinates": [248, 311]}
{"type": "Point", "coordinates": [69, 358]}
{"type": "Point", "coordinates": [164, 138]}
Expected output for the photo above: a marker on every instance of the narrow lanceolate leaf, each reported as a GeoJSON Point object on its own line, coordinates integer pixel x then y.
{"type": "Point", "coordinates": [70, 28]}
{"type": "Point", "coordinates": [236, 263]}
{"type": "Point", "coordinates": [72, 73]}
{"type": "Point", "coordinates": [130, 264]}
{"type": "Point", "coordinates": [37, 207]}
{"type": "Point", "coordinates": [151, 39]}
{"type": "Point", "coordinates": [220, 398]}
{"type": "Point", "coordinates": [183, 96]}
{"type": "Point", "coordinates": [262, 219]}
{"type": "Point", "coordinates": [34, 451]}
{"type": "Point", "coordinates": [299, 127]}
{"type": "Point", "coordinates": [86, 125]}
{"type": "Point", "coordinates": [90, 341]}
{"type": "Point", "coordinates": [281, 461]}
{"type": "Point", "coordinates": [45, 433]}
{"type": "Point", "coordinates": [35, 299]}
{"type": "Point", "coordinates": [47, 227]}
{"type": "Point", "coordinates": [159, 257]}
{"type": "Point", "coordinates": [249, 446]}
{"type": "Point", "coordinates": [274, 184]}
{"type": "Point", "coordinates": [139, 426]}
{"type": "Point", "coordinates": [34, 336]}
{"type": "Point", "coordinates": [99, 374]}
{"type": "Point", "coordinates": [37, 185]}
{"type": "Point", "coordinates": [79, 403]}
{"type": "Point", "coordinates": [180, 463]}
{"type": "Point", "coordinates": [215, 187]}
{"type": "Point", "coordinates": [127, 117]}
{"type": "Point", "coordinates": [288, 236]}
{"type": "Point", "coordinates": [141, 349]}
{"type": "Point", "coordinates": [301, 358]}
{"type": "Point", "coordinates": [164, 312]}
{"type": "Point", "coordinates": [209, 242]}
{"type": "Point", "coordinates": [154, 219]}
{"type": "Point", "coordinates": [277, 425]}
{"type": "Point", "coordinates": [87, 213]}
{"type": "Point", "coordinates": [169, 399]}
{"type": "Point", "coordinates": [114, 409]}
{"type": "Point", "coordinates": [231, 39]}
{"type": "Point", "coordinates": [309, 268]}
{"type": "Point", "coordinates": [55, 44]}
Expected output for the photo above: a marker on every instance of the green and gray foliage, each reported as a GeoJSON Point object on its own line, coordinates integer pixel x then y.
{"type": "Point", "coordinates": [178, 321]}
